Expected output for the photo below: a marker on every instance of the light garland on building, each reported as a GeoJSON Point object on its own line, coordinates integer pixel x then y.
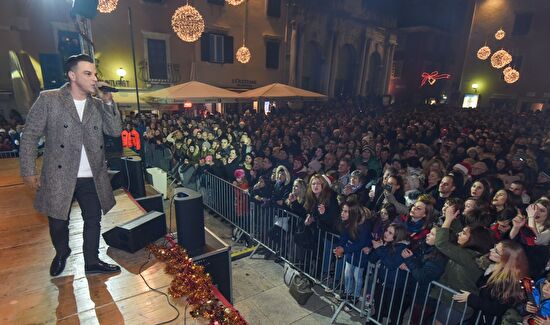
{"type": "Point", "coordinates": [234, 2]}
{"type": "Point", "coordinates": [484, 52]}
{"type": "Point", "coordinates": [188, 23]}
{"type": "Point", "coordinates": [500, 59]}
{"type": "Point", "coordinates": [106, 6]}
{"type": "Point", "coordinates": [511, 76]}
{"type": "Point", "coordinates": [500, 34]}
{"type": "Point", "coordinates": [243, 54]}
{"type": "Point", "coordinates": [505, 71]}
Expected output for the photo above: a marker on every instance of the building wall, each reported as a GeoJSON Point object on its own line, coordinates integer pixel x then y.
{"type": "Point", "coordinates": [533, 85]}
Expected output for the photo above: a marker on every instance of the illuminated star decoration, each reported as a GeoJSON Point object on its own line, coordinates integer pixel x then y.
{"type": "Point", "coordinates": [431, 78]}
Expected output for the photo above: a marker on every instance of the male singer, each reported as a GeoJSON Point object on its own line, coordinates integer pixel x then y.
{"type": "Point", "coordinates": [74, 161]}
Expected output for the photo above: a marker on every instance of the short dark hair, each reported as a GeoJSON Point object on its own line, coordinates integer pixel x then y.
{"type": "Point", "coordinates": [73, 60]}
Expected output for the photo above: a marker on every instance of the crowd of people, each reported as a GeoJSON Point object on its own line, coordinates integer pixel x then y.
{"type": "Point", "coordinates": [10, 131]}
{"type": "Point", "coordinates": [457, 196]}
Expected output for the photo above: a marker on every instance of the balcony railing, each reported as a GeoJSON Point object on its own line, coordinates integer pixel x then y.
{"type": "Point", "coordinates": [159, 73]}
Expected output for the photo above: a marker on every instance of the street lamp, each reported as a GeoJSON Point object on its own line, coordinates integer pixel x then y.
{"type": "Point", "coordinates": [121, 73]}
{"type": "Point", "coordinates": [475, 87]}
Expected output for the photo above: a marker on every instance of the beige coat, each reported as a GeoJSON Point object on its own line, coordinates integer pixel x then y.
{"type": "Point", "coordinates": [54, 115]}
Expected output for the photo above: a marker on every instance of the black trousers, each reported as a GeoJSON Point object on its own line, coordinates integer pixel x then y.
{"type": "Point", "coordinates": [86, 196]}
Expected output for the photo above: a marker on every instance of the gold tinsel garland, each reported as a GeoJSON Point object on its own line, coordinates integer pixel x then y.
{"type": "Point", "coordinates": [192, 282]}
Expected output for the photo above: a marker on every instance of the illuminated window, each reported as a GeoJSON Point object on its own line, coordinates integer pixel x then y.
{"type": "Point", "coordinates": [216, 48]}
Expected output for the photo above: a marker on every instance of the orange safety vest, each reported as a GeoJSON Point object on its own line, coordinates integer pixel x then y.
{"type": "Point", "coordinates": [135, 140]}
{"type": "Point", "coordinates": [126, 140]}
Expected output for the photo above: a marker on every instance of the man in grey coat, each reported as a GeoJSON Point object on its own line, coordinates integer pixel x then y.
{"type": "Point", "coordinates": [74, 167]}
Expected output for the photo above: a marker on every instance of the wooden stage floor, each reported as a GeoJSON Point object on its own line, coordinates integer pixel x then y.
{"type": "Point", "coordinates": [29, 295]}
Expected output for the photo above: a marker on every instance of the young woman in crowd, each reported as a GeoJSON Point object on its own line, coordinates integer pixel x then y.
{"type": "Point", "coordinates": [420, 219]}
{"type": "Point", "coordinates": [385, 217]}
{"type": "Point", "coordinates": [481, 190]}
{"type": "Point", "coordinates": [355, 234]}
{"type": "Point", "coordinates": [426, 264]}
{"type": "Point", "coordinates": [461, 271]}
{"type": "Point", "coordinates": [537, 214]}
{"type": "Point", "coordinates": [500, 287]}
{"type": "Point", "coordinates": [476, 213]}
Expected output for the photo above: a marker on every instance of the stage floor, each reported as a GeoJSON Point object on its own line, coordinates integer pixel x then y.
{"type": "Point", "coordinates": [29, 295]}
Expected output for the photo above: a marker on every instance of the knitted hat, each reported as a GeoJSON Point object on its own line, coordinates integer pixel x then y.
{"type": "Point", "coordinates": [239, 173]}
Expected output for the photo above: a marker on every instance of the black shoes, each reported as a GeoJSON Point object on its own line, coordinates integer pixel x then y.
{"type": "Point", "coordinates": [58, 263]}
{"type": "Point", "coordinates": [101, 267]}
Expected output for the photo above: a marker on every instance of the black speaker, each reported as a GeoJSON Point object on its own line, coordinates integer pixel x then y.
{"type": "Point", "coordinates": [190, 220]}
{"type": "Point", "coordinates": [85, 8]}
{"type": "Point", "coordinates": [136, 234]}
{"type": "Point", "coordinates": [52, 70]}
{"type": "Point", "coordinates": [152, 203]}
{"type": "Point", "coordinates": [132, 172]}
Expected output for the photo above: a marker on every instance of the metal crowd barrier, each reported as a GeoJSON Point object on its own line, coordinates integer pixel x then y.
{"type": "Point", "coordinates": [9, 154]}
{"type": "Point", "coordinates": [379, 294]}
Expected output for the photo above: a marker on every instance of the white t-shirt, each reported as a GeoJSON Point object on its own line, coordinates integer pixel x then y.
{"type": "Point", "coordinates": [84, 169]}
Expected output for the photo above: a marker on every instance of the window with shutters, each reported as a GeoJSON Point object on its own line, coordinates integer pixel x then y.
{"type": "Point", "coordinates": [272, 54]}
{"type": "Point", "coordinates": [156, 54]}
{"type": "Point", "coordinates": [216, 48]}
{"type": "Point", "coordinates": [274, 8]}
{"type": "Point", "coordinates": [522, 24]}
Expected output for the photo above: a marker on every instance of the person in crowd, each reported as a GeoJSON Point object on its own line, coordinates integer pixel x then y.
{"type": "Point", "coordinates": [481, 189]}
{"type": "Point", "coordinates": [539, 309]}
{"type": "Point", "coordinates": [425, 264]}
{"type": "Point", "coordinates": [355, 234]}
{"type": "Point", "coordinates": [461, 271]}
{"type": "Point", "coordinates": [537, 214]}
{"type": "Point", "coordinates": [357, 187]}
{"type": "Point", "coordinates": [419, 220]}
{"type": "Point", "coordinates": [282, 186]}
{"type": "Point", "coordinates": [500, 287]}
{"type": "Point", "coordinates": [445, 190]}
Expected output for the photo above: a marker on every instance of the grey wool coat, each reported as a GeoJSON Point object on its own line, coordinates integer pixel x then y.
{"type": "Point", "coordinates": [54, 115]}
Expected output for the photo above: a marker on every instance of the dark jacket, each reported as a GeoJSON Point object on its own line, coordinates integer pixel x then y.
{"type": "Point", "coordinates": [426, 265]}
{"type": "Point", "coordinates": [352, 247]}
{"type": "Point", "coordinates": [461, 271]}
{"type": "Point", "coordinates": [489, 306]}
{"type": "Point", "coordinates": [391, 259]}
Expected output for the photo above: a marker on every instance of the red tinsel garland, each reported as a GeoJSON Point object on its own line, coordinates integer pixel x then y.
{"type": "Point", "coordinates": [192, 282]}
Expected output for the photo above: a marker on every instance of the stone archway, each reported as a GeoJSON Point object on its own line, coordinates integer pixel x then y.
{"type": "Point", "coordinates": [345, 82]}
{"type": "Point", "coordinates": [313, 67]}
{"type": "Point", "coordinates": [375, 74]}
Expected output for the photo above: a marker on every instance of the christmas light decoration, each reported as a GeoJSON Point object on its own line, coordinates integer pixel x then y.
{"type": "Point", "coordinates": [500, 34]}
{"type": "Point", "coordinates": [431, 78]}
{"type": "Point", "coordinates": [505, 71]}
{"type": "Point", "coordinates": [106, 6]}
{"type": "Point", "coordinates": [500, 59]}
{"type": "Point", "coordinates": [243, 54]}
{"type": "Point", "coordinates": [188, 23]}
{"type": "Point", "coordinates": [234, 2]}
{"type": "Point", "coordinates": [484, 52]}
{"type": "Point", "coordinates": [511, 76]}
{"type": "Point", "coordinates": [193, 283]}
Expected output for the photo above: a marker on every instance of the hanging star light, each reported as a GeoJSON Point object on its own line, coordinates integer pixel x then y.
{"type": "Point", "coordinates": [106, 6]}
{"type": "Point", "coordinates": [500, 59]}
{"type": "Point", "coordinates": [243, 54]}
{"type": "Point", "coordinates": [500, 34]}
{"type": "Point", "coordinates": [234, 2]}
{"type": "Point", "coordinates": [511, 76]}
{"type": "Point", "coordinates": [188, 23]}
{"type": "Point", "coordinates": [484, 52]}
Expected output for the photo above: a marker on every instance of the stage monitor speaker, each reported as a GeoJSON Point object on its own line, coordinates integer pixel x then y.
{"type": "Point", "coordinates": [190, 220]}
{"type": "Point", "coordinates": [152, 203]}
{"type": "Point", "coordinates": [85, 8]}
{"type": "Point", "coordinates": [136, 234]}
{"type": "Point", "coordinates": [132, 172]}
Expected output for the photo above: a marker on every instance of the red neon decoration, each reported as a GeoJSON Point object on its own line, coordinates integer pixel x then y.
{"type": "Point", "coordinates": [431, 78]}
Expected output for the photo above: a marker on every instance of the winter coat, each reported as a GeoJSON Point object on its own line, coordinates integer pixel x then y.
{"type": "Point", "coordinates": [54, 115]}
{"type": "Point", "coordinates": [353, 247]}
{"type": "Point", "coordinates": [425, 266]}
{"type": "Point", "coordinates": [391, 259]}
